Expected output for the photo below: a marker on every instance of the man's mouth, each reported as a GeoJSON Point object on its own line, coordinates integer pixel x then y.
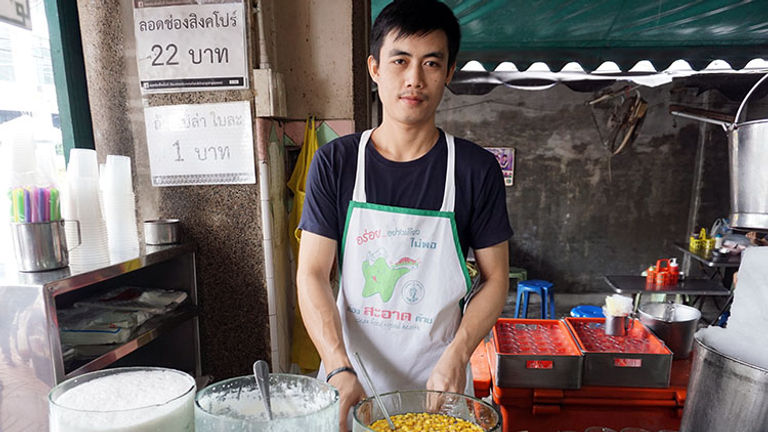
{"type": "Point", "coordinates": [411, 99]}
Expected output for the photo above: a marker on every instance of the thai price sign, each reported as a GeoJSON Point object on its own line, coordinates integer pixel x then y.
{"type": "Point", "coordinates": [200, 144]}
{"type": "Point", "coordinates": [185, 46]}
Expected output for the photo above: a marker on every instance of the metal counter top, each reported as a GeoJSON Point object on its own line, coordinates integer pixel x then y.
{"type": "Point", "coordinates": [76, 276]}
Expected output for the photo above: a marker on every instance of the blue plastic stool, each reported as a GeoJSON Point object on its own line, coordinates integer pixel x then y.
{"type": "Point", "coordinates": [544, 289]}
{"type": "Point", "coordinates": [587, 311]}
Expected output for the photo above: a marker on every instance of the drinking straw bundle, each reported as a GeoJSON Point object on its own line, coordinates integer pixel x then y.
{"type": "Point", "coordinates": [34, 204]}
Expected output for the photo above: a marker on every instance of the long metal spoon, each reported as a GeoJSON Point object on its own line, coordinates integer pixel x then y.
{"type": "Point", "coordinates": [261, 372]}
{"type": "Point", "coordinates": [375, 393]}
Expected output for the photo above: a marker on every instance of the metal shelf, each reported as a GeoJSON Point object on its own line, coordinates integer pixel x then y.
{"type": "Point", "coordinates": [638, 285]}
{"type": "Point", "coordinates": [707, 259]}
{"type": "Point", "coordinates": [149, 331]}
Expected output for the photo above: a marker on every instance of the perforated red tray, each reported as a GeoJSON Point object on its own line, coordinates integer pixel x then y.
{"type": "Point", "coordinates": [638, 359]}
{"type": "Point", "coordinates": [592, 338]}
{"type": "Point", "coordinates": [535, 353]}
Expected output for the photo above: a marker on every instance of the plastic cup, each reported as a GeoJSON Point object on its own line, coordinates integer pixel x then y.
{"type": "Point", "coordinates": [118, 175]}
{"type": "Point", "coordinates": [83, 163]}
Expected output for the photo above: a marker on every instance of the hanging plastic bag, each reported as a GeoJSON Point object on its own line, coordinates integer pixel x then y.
{"type": "Point", "coordinates": [303, 351]}
{"type": "Point", "coordinates": [298, 180]}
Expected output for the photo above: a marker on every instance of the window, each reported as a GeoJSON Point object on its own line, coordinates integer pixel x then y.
{"type": "Point", "coordinates": [6, 55]}
{"type": "Point", "coordinates": [42, 54]}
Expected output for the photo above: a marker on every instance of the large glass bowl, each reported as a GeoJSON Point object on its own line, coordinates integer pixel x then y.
{"type": "Point", "coordinates": [419, 401]}
{"type": "Point", "coordinates": [299, 403]}
{"type": "Point", "coordinates": [110, 400]}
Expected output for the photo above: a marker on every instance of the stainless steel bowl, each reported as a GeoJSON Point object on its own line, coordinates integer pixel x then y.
{"type": "Point", "coordinates": [162, 231]}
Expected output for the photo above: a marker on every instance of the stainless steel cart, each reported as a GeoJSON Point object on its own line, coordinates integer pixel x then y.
{"type": "Point", "coordinates": [31, 358]}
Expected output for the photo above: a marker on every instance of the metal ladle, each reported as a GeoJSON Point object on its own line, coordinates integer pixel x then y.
{"type": "Point", "coordinates": [261, 372]}
{"type": "Point", "coordinates": [375, 393]}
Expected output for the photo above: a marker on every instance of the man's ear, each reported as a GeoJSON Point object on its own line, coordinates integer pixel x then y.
{"type": "Point", "coordinates": [451, 70]}
{"type": "Point", "coordinates": [373, 69]}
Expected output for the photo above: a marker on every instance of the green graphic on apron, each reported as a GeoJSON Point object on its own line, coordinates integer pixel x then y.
{"type": "Point", "coordinates": [381, 278]}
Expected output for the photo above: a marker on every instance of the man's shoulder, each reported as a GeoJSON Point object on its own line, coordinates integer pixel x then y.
{"type": "Point", "coordinates": [341, 147]}
{"type": "Point", "coordinates": [473, 156]}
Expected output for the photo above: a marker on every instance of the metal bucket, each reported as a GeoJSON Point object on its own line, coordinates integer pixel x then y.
{"type": "Point", "coordinates": [724, 394]}
{"type": "Point", "coordinates": [675, 324]}
{"type": "Point", "coordinates": [748, 159]}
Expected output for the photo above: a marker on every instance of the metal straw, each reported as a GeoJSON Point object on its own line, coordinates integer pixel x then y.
{"type": "Point", "coordinates": [375, 393]}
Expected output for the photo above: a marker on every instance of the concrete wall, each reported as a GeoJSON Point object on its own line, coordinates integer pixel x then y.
{"type": "Point", "coordinates": [310, 42]}
{"type": "Point", "coordinates": [578, 213]}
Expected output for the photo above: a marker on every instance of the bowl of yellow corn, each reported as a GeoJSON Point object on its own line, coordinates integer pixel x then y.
{"type": "Point", "coordinates": [426, 411]}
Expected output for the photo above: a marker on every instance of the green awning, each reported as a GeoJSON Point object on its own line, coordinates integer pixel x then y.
{"type": "Point", "coordinates": [591, 32]}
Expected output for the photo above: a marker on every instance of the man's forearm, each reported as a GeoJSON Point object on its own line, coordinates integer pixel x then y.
{"type": "Point", "coordinates": [322, 321]}
{"type": "Point", "coordinates": [486, 306]}
{"type": "Point", "coordinates": [480, 316]}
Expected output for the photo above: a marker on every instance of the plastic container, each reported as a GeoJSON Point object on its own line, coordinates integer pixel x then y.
{"type": "Point", "coordinates": [548, 410]}
{"type": "Point", "coordinates": [638, 359]}
{"type": "Point", "coordinates": [418, 401]}
{"type": "Point", "coordinates": [481, 372]}
{"type": "Point", "coordinates": [299, 403]}
{"type": "Point", "coordinates": [534, 353]}
{"type": "Point", "coordinates": [141, 399]}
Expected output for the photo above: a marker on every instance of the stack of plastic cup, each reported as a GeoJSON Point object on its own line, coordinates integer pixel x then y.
{"type": "Point", "coordinates": [120, 209]}
{"type": "Point", "coordinates": [80, 201]}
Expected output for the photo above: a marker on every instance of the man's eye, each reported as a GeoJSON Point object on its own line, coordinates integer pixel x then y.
{"type": "Point", "coordinates": [433, 64]}
{"type": "Point", "coordinates": [399, 61]}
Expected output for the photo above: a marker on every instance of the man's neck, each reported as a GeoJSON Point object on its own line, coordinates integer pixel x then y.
{"type": "Point", "coordinates": [403, 143]}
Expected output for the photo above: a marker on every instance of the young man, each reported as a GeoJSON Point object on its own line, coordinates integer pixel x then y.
{"type": "Point", "coordinates": [399, 207]}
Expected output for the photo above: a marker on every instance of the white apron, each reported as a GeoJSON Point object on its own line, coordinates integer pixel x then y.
{"type": "Point", "coordinates": [403, 281]}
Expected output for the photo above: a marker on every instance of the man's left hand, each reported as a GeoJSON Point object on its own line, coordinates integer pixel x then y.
{"type": "Point", "coordinates": [449, 374]}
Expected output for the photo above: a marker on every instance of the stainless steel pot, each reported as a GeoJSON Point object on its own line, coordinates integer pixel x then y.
{"type": "Point", "coordinates": [162, 231]}
{"type": "Point", "coordinates": [748, 159]}
{"type": "Point", "coordinates": [724, 394]}
{"type": "Point", "coordinates": [675, 324]}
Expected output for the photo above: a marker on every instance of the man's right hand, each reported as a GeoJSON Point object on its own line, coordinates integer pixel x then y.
{"type": "Point", "coordinates": [350, 393]}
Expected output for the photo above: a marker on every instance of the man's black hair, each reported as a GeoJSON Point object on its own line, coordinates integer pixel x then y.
{"type": "Point", "coordinates": [416, 17]}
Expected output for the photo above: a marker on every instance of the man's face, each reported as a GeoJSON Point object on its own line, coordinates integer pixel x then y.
{"type": "Point", "coordinates": [411, 75]}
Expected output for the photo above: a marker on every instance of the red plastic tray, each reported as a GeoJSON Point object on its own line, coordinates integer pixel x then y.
{"type": "Point", "coordinates": [590, 334]}
{"type": "Point", "coordinates": [524, 336]}
{"type": "Point", "coordinates": [638, 359]}
{"type": "Point", "coordinates": [534, 353]}
{"type": "Point", "coordinates": [481, 371]}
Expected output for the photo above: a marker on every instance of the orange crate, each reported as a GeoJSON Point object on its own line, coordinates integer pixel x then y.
{"type": "Point", "coordinates": [549, 410]}
{"type": "Point", "coordinates": [534, 353]}
{"type": "Point", "coordinates": [481, 372]}
{"type": "Point", "coordinates": [638, 359]}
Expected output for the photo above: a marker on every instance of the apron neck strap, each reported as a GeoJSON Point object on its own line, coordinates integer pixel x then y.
{"type": "Point", "coordinates": [449, 193]}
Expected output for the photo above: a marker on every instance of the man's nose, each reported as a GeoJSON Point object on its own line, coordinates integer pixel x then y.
{"type": "Point", "coordinates": [415, 76]}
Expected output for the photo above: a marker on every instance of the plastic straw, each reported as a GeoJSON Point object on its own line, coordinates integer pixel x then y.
{"type": "Point", "coordinates": [47, 206]}
{"type": "Point", "coordinates": [32, 203]}
{"type": "Point", "coordinates": [41, 205]}
{"type": "Point", "coordinates": [55, 205]}
{"type": "Point", "coordinates": [27, 207]}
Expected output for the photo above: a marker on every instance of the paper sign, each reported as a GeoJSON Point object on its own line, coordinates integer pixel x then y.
{"type": "Point", "coordinates": [16, 12]}
{"type": "Point", "coordinates": [200, 144]}
{"type": "Point", "coordinates": [190, 47]}
{"type": "Point", "coordinates": [506, 158]}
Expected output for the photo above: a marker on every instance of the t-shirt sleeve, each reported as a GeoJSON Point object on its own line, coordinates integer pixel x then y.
{"type": "Point", "coordinates": [490, 222]}
{"type": "Point", "coordinates": [320, 214]}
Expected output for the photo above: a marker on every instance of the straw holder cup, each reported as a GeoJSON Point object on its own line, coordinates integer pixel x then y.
{"type": "Point", "coordinates": [162, 231]}
{"type": "Point", "coordinates": [42, 246]}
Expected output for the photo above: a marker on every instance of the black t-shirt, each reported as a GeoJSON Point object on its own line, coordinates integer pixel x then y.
{"type": "Point", "coordinates": [480, 206]}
